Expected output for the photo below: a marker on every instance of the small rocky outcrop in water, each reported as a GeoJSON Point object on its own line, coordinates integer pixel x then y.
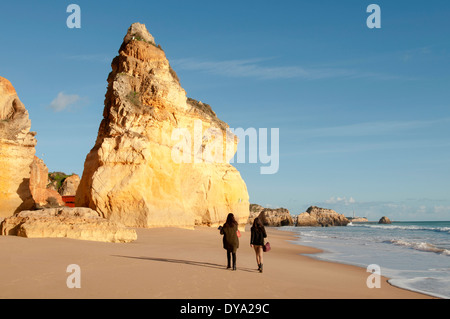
{"type": "Point", "coordinates": [269, 216]}
{"type": "Point", "coordinates": [131, 174]}
{"type": "Point", "coordinates": [384, 220]}
{"type": "Point", "coordinates": [316, 216]}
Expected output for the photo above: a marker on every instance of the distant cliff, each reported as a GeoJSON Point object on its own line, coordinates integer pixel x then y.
{"type": "Point", "coordinates": [270, 216]}
{"type": "Point", "coordinates": [316, 216]}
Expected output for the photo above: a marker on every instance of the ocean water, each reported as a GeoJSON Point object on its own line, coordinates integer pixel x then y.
{"type": "Point", "coordinates": [415, 255]}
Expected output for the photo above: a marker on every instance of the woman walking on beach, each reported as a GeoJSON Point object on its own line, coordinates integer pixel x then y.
{"type": "Point", "coordinates": [230, 239]}
{"type": "Point", "coordinates": [258, 233]}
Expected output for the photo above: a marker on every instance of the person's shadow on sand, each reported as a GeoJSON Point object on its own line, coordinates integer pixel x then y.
{"type": "Point", "coordinates": [187, 262]}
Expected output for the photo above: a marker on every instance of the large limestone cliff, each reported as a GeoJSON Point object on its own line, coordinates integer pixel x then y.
{"type": "Point", "coordinates": [136, 173]}
{"type": "Point", "coordinates": [17, 148]}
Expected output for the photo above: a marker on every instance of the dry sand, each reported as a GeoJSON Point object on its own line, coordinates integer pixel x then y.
{"type": "Point", "coordinates": [178, 264]}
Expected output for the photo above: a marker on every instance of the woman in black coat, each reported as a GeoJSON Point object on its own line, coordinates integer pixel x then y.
{"type": "Point", "coordinates": [230, 239]}
{"type": "Point", "coordinates": [258, 233]}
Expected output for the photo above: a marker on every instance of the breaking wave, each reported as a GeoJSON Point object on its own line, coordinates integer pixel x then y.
{"type": "Point", "coordinates": [421, 246]}
{"type": "Point", "coordinates": [406, 227]}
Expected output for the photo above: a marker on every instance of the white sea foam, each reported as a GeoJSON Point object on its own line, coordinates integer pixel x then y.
{"type": "Point", "coordinates": [408, 227]}
{"type": "Point", "coordinates": [415, 255]}
{"type": "Point", "coordinates": [422, 246]}
{"type": "Point", "coordinates": [431, 286]}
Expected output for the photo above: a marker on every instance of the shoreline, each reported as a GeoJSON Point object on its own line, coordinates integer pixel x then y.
{"type": "Point", "coordinates": [318, 251]}
{"type": "Point", "coordinates": [173, 263]}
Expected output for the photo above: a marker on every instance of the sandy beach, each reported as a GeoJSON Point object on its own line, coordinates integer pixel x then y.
{"type": "Point", "coordinates": [171, 263]}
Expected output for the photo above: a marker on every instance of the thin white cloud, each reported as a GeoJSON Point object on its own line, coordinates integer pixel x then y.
{"type": "Point", "coordinates": [63, 102]}
{"type": "Point", "coordinates": [421, 209]}
{"type": "Point", "coordinates": [254, 68]}
{"type": "Point", "coordinates": [103, 58]}
{"type": "Point", "coordinates": [369, 136]}
{"type": "Point", "coordinates": [340, 200]}
{"type": "Point", "coordinates": [355, 147]}
{"type": "Point", "coordinates": [442, 209]}
{"type": "Point", "coordinates": [257, 68]}
{"type": "Point", "coordinates": [372, 128]}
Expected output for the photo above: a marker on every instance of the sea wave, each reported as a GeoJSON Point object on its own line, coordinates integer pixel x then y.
{"type": "Point", "coordinates": [413, 254]}
{"type": "Point", "coordinates": [422, 246]}
{"type": "Point", "coordinates": [437, 287]}
{"type": "Point", "coordinates": [405, 227]}
{"type": "Point", "coordinates": [317, 235]}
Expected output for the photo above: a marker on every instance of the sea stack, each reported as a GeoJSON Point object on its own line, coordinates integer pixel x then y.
{"type": "Point", "coordinates": [17, 149]}
{"type": "Point", "coordinates": [384, 220]}
{"type": "Point", "coordinates": [134, 174]}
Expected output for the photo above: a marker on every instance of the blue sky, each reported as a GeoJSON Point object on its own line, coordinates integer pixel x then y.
{"type": "Point", "coordinates": [363, 113]}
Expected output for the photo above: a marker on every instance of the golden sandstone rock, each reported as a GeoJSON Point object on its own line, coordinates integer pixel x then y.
{"type": "Point", "coordinates": [66, 222]}
{"type": "Point", "coordinates": [160, 159]}
{"type": "Point", "coordinates": [17, 148]}
{"type": "Point", "coordinates": [42, 195]}
{"type": "Point", "coordinates": [70, 185]}
{"type": "Point", "coordinates": [270, 216]}
{"type": "Point", "coordinates": [384, 220]}
{"type": "Point", "coordinates": [316, 216]}
{"type": "Point", "coordinates": [23, 186]}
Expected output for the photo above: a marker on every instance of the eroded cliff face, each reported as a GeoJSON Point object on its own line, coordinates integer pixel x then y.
{"type": "Point", "coordinates": [136, 172]}
{"type": "Point", "coordinates": [42, 195]}
{"type": "Point", "coordinates": [17, 149]}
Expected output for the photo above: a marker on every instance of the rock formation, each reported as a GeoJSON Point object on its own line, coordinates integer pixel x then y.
{"type": "Point", "coordinates": [17, 149]}
{"type": "Point", "coordinates": [270, 217]}
{"type": "Point", "coordinates": [42, 195]}
{"type": "Point", "coordinates": [136, 172]}
{"type": "Point", "coordinates": [75, 223]}
{"type": "Point", "coordinates": [70, 185]}
{"type": "Point", "coordinates": [254, 211]}
{"type": "Point", "coordinates": [384, 220]}
{"type": "Point", "coordinates": [316, 216]}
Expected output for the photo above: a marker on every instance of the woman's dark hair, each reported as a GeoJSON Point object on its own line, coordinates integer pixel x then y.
{"type": "Point", "coordinates": [257, 223]}
{"type": "Point", "coordinates": [230, 220]}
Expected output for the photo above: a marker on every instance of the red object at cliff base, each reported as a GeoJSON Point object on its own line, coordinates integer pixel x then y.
{"type": "Point", "coordinates": [69, 201]}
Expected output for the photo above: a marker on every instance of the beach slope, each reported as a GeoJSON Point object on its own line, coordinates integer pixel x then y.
{"type": "Point", "coordinates": [178, 264]}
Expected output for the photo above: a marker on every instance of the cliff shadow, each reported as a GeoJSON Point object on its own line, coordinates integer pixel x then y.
{"type": "Point", "coordinates": [25, 195]}
{"type": "Point", "coordinates": [188, 262]}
